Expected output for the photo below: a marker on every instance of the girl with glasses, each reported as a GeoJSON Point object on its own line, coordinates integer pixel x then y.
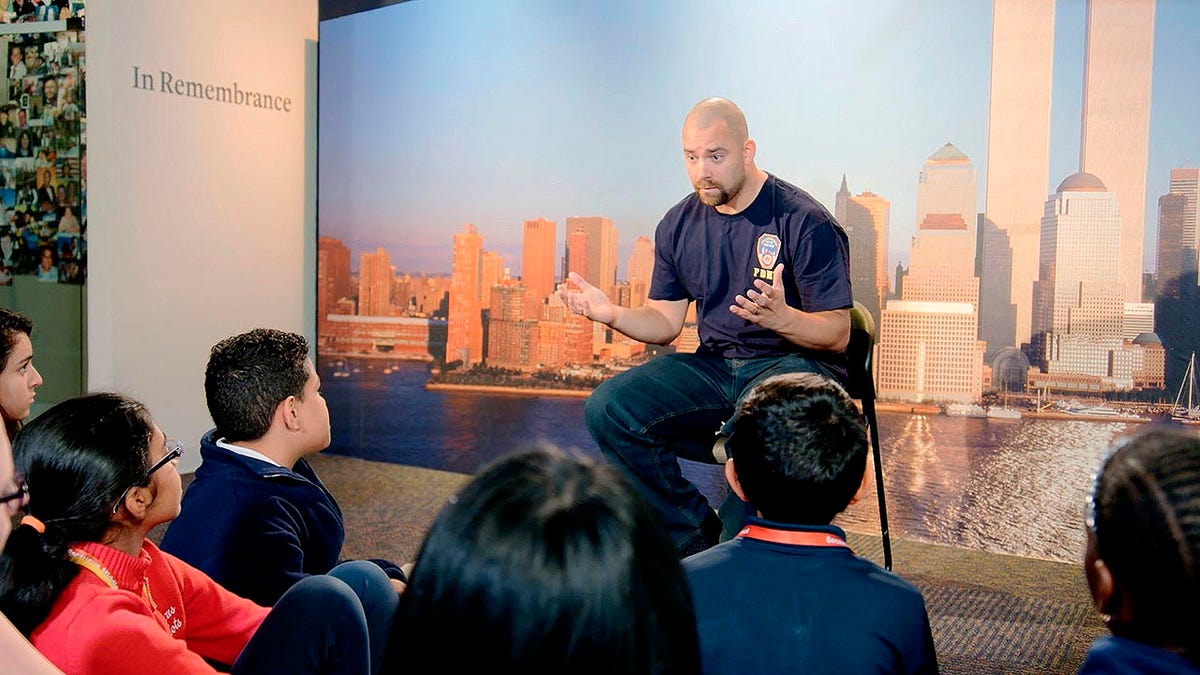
{"type": "Point", "coordinates": [95, 596]}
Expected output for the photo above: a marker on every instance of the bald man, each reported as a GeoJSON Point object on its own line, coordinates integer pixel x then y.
{"type": "Point", "coordinates": [768, 268]}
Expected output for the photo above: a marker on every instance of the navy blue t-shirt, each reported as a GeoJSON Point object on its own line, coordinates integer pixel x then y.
{"type": "Point", "coordinates": [704, 255]}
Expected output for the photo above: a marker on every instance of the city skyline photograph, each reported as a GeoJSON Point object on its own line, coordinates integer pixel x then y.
{"type": "Point", "coordinates": [1026, 162]}
{"type": "Point", "coordinates": [475, 126]}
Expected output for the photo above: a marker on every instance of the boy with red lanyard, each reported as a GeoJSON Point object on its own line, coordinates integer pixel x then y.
{"type": "Point", "coordinates": [787, 594]}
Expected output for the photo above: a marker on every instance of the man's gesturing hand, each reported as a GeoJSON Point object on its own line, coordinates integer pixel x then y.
{"type": "Point", "coordinates": [765, 304]}
{"type": "Point", "coordinates": [587, 300]}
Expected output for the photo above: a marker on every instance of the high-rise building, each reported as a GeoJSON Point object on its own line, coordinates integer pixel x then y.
{"type": "Point", "coordinates": [597, 263]}
{"type": "Point", "coordinates": [333, 274]}
{"type": "Point", "coordinates": [865, 217]}
{"type": "Point", "coordinates": [1078, 290]}
{"type": "Point", "coordinates": [928, 351]}
{"type": "Point", "coordinates": [1078, 305]}
{"type": "Point", "coordinates": [375, 284]}
{"type": "Point", "coordinates": [1116, 118]}
{"type": "Point", "coordinates": [537, 261]}
{"type": "Point", "coordinates": [947, 188]}
{"type": "Point", "coordinates": [1178, 232]}
{"type": "Point", "coordinates": [641, 268]}
{"type": "Point", "coordinates": [1186, 181]}
{"type": "Point", "coordinates": [491, 272]}
{"type": "Point", "coordinates": [1018, 166]}
{"type": "Point", "coordinates": [928, 339]}
{"type": "Point", "coordinates": [1171, 259]}
{"type": "Point", "coordinates": [512, 336]}
{"type": "Point", "coordinates": [464, 330]}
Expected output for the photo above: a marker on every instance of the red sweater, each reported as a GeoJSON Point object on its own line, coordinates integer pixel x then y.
{"type": "Point", "coordinates": [94, 629]}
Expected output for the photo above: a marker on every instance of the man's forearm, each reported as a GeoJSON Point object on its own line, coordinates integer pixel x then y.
{"type": "Point", "coordinates": [646, 324]}
{"type": "Point", "coordinates": [828, 331]}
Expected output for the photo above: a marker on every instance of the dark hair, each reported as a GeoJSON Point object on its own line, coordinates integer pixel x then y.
{"type": "Point", "coordinates": [247, 377]}
{"type": "Point", "coordinates": [78, 458]}
{"type": "Point", "coordinates": [1147, 531]}
{"type": "Point", "coordinates": [548, 564]}
{"type": "Point", "coordinates": [799, 447]}
{"type": "Point", "coordinates": [11, 324]}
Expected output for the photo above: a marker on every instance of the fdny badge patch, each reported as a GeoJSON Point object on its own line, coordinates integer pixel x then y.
{"type": "Point", "coordinates": [768, 250]}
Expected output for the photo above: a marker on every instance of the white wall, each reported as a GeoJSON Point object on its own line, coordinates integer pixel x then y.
{"type": "Point", "coordinates": [200, 213]}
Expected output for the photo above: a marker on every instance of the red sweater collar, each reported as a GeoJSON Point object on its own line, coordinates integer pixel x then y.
{"type": "Point", "coordinates": [128, 571]}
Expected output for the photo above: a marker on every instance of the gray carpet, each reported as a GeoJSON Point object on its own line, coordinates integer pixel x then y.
{"type": "Point", "coordinates": [990, 613]}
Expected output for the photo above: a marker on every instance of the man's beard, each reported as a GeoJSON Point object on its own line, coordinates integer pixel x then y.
{"type": "Point", "coordinates": [712, 199]}
{"type": "Point", "coordinates": [722, 195]}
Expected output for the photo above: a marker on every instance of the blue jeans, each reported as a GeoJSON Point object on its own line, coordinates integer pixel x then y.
{"type": "Point", "coordinates": [325, 623]}
{"type": "Point", "coordinates": [646, 418]}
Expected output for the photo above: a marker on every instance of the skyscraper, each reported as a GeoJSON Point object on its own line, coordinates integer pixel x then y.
{"type": "Point", "coordinates": [598, 262]}
{"type": "Point", "coordinates": [928, 344]}
{"type": "Point", "coordinates": [1116, 118]}
{"type": "Point", "coordinates": [375, 284]}
{"type": "Point", "coordinates": [641, 267]}
{"type": "Point", "coordinates": [537, 262]}
{"type": "Point", "coordinates": [1186, 181]}
{"type": "Point", "coordinates": [464, 330]}
{"type": "Point", "coordinates": [1078, 304]}
{"type": "Point", "coordinates": [1170, 259]}
{"type": "Point", "coordinates": [491, 272]}
{"type": "Point", "coordinates": [333, 274]}
{"type": "Point", "coordinates": [1078, 289]}
{"type": "Point", "coordinates": [946, 188]}
{"type": "Point", "coordinates": [865, 217]}
{"type": "Point", "coordinates": [1018, 166]}
{"type": "Point", "coordinates": [512, 336]}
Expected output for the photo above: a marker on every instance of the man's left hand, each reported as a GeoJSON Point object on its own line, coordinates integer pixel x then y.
{"type": "Point", "coordinates": [765, 304]}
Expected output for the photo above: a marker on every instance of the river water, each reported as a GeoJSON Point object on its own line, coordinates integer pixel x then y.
{"type": "Point", "coordinates": [1007, 486]}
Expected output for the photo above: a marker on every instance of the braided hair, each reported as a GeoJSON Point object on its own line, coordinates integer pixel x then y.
{"type": "Point", "coordinates": [1146, 527]}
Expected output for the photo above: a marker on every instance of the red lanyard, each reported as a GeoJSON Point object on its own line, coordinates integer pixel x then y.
{"type": "Point", "coordinates": [791, 537]}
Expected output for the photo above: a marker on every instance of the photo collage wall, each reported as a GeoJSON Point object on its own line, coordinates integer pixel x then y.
{"type": "Point", "coordinates": [43, 160]}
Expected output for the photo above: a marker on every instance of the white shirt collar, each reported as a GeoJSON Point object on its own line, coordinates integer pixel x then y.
{"type": "Point", "coordinates": [246, 452]}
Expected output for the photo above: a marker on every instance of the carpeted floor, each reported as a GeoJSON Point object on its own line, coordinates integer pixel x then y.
{"type": "Point", "coordinates": [990, 613]}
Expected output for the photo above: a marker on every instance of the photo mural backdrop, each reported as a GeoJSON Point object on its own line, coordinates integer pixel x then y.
{"type": "Point", "coordinates": [1031, 267]}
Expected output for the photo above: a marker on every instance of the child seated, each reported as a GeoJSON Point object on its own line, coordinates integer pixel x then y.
{"type": "Point", "coordinates": [546, 564]}
{"type": "Point", "coordinates": [787, 594]}
{"type": "Point", "coordinates": [95, 596]}
{"type": "Point", "coordinates": [1143, 554]}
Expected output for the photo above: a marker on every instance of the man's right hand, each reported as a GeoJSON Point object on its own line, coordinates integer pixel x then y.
{"type": "Point", "coordinates": [587, 300]}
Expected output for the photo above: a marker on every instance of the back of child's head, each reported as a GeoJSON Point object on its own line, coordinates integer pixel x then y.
{"type": "Point", "coordinates": [799, 448]}
{"type": "Point", "coordinates": [547, 563]}
{"type": "Point", "coordinates": [1144, 524]}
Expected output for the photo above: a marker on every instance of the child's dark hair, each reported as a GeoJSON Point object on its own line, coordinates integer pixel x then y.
{"type": "Point", "coordinates": [78, 458]}
{"type": "Point", "coordinates": [552, 564]}
{"type": "Point", "coordinates": [799, 448]}
{"type": "Point", "coordinates": [1146, 524]}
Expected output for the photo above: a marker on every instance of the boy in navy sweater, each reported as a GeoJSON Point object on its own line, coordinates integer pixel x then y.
{"type": "Point", "coordinates": [257, 519]}
{"type": "Point", "coordinates": [787, 594]}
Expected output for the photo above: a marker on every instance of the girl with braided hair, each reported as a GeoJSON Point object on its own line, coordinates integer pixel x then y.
{"type": "Point", "coordinates": [1143, 554]}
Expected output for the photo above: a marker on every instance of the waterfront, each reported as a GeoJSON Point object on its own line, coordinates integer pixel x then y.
{"type": "Point", "coordinates": [1011, 486]}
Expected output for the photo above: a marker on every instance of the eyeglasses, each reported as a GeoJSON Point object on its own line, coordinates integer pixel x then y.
{"type": "Point", "coordinates": [174, 452]}
{"type": "Point", "coordinates": [21, 493]}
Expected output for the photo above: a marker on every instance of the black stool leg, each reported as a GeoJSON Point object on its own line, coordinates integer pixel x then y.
{"type": "Point", "coordinates": [868, 404]}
